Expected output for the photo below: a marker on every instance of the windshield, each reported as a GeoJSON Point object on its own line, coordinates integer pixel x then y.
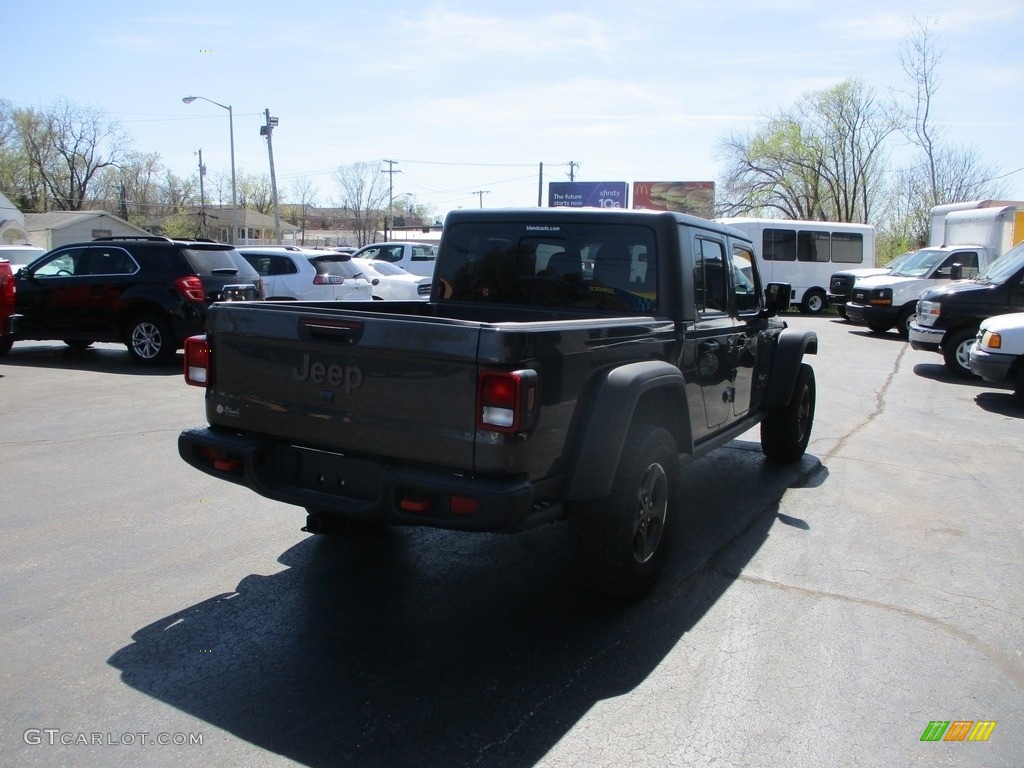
{"type": "Point", "coordinates": [1003, 268]}
{"type": "Point", "coordinates": [918, 264]}
{"type": "Point", "coordinates": [898, 261]}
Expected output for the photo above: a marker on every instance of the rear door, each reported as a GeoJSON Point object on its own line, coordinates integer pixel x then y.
{"type": "Point", "coordinates": [714, 331]}
{"type": "Point", "coordinates": [111, 271]}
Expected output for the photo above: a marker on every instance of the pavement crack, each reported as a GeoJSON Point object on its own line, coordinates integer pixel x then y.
{"type": "Point", "coordinates": [879, 405]}
{"type": "Point", "coordinates": [1004, 661]}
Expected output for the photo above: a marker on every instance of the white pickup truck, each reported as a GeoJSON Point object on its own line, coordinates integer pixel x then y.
{"type": "Point", "coordinates": [883, 301]}
{"type": "Point", "coordinates": [998, 354]}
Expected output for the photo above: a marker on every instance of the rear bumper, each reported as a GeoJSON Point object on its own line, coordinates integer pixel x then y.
{"type": "Point", "coordinates": [368, 489]}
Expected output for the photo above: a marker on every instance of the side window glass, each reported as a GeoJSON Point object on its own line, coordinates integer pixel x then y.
{"type": "Point", "coordinates": [63, 264]}
{"type": "Point", "coordinates": [746, 295]}
{"type": "Point", "coordinates": [709, 277]}
{"type": "Point", "coordinates": [967, 259]}
{"type": "Point", "coordinates": [108, 261]}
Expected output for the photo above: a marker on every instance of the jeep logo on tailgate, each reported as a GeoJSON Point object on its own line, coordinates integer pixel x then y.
{"type": "Point", "coordinates": [348, 377]}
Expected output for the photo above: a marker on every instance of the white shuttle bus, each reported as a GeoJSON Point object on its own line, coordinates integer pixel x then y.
{"type": "Point", "coordinates": [806, 253]}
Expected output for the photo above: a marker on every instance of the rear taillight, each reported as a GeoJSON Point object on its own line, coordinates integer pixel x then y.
{"type": "Point", "coordinates": [328, 280]}
{"type": "Point", "coordinates": [191, 288]}
{"type": "Point", "coordinates": [505, 399]}
{"type": "Point", "coordinates": [6, 290]}
{"type": "Point", "coordinates": [197, 361]}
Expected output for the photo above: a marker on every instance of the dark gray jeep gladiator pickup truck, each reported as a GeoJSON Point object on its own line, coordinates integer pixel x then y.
{"type": "Point", "coordinates": [568, 364]}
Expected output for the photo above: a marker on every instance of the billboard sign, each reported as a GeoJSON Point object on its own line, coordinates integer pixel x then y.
{"type": "Point", "coordinates": [696, 197]}
{"type": "Point", "coordinates": [588, 194]}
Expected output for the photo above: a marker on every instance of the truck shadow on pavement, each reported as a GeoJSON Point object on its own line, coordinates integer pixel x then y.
{"type": "Point", "coordinates": [424, 647]}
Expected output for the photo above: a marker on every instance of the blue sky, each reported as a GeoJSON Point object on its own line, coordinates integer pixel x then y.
{"type": "Point", "coordinates": [470, 96]}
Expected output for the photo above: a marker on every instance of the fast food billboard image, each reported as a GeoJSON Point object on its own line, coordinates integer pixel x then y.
{"type": "Point", "coordinates": [696, 197]}
{"type": "Point", "coordinates": [588, 194]}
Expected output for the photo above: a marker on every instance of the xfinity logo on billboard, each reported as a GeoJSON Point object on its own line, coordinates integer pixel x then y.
{"type": "Point", "coordinates": [587, 194]}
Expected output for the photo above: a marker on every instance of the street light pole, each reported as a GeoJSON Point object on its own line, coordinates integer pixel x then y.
{"type": "Point", "coordinates": [234, 186]}
{"type": "Point", "coordinates": [268, 131]}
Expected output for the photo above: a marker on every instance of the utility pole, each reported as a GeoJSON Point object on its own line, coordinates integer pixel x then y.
{"type": "Point", "coordinates": [202, 196]}
{"type": "Point", "coordinates": [268, 130]}
{"type": "Point", "coordinates": [391, 193]}
{"type": "Point", "coordinates": [573, 165]}
{"type": "Point", "coordinates": [540, 186]}
{"type": "Point", "coordinates": [481, 193]}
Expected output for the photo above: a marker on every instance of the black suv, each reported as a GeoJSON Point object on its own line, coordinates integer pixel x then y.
{"type": "Point", "coordinates": [150, 293]}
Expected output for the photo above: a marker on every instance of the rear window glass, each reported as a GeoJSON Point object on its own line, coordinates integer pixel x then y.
{"type": "Point", "coordinates": [220, 261]}
{"type": "Point", "coordinates": [594, 266]}
{"type": "Point", "coordinates": [325, 265]}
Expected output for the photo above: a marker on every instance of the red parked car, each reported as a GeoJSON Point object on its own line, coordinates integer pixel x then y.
{"type": "Point", "coordinates": [7, 306]}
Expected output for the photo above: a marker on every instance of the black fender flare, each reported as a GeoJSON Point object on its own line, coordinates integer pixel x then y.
{"type": "Point", "coordinates": [609, 412]}
{"type": "Point", "coordinates": [789, 352]}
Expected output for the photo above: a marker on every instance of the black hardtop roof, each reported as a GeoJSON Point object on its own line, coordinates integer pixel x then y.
{"type": "Point", "coordinates": [551, 216]}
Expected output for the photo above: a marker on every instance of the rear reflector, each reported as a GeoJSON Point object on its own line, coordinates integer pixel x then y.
{"type": "Point", "coordinates": [465, 505]}
{"type": "Point", "coordinates": [414, 504]}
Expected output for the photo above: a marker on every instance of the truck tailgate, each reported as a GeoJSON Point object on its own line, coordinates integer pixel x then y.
{"type": "Point", "coordinates": [345, 380]}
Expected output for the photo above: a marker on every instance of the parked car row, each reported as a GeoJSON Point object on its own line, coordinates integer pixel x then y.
{"type": "Point", "coordinates": [976, 324]}
{"type": "Point", "coordinates": [151, 293]}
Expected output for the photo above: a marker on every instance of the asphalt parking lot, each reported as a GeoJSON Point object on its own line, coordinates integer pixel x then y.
{"type": "Point", "coordinates": [819, 615]}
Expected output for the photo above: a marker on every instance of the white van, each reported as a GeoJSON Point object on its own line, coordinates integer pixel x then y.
{"type": "Point", "coordinates": [806, 253]}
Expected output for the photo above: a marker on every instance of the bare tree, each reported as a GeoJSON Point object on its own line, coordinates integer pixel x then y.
{"type": "Point", "coordinates": [130, 188]}
{"type": "Point", "coordinates": [303, 193]}
{"type": "Point", "coordinates": [254, 192]}
{"type": "Point", "coordinates": [177, 192]}
{"type": "Point", "coordinates": [364, 193]}
{"type": "Point", "coordinates": [821, 160]}
{"type": "Point", "coordinates": [940, 172]}
{"type": "Point", "coordinates": [67, 146]}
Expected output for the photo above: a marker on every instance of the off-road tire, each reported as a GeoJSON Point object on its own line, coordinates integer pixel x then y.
{"type": "Point", "coordinates": [786, 431]}
{"type": "Point", "coordinates": [957, 352]}
{"type": "Point", "coordinates": [619, 545]}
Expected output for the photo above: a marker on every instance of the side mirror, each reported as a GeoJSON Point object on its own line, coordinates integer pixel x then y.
{"type": "Point", "coordinates": [776, 298]}
{"type": "Point", "coordinates": [956, 272]}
